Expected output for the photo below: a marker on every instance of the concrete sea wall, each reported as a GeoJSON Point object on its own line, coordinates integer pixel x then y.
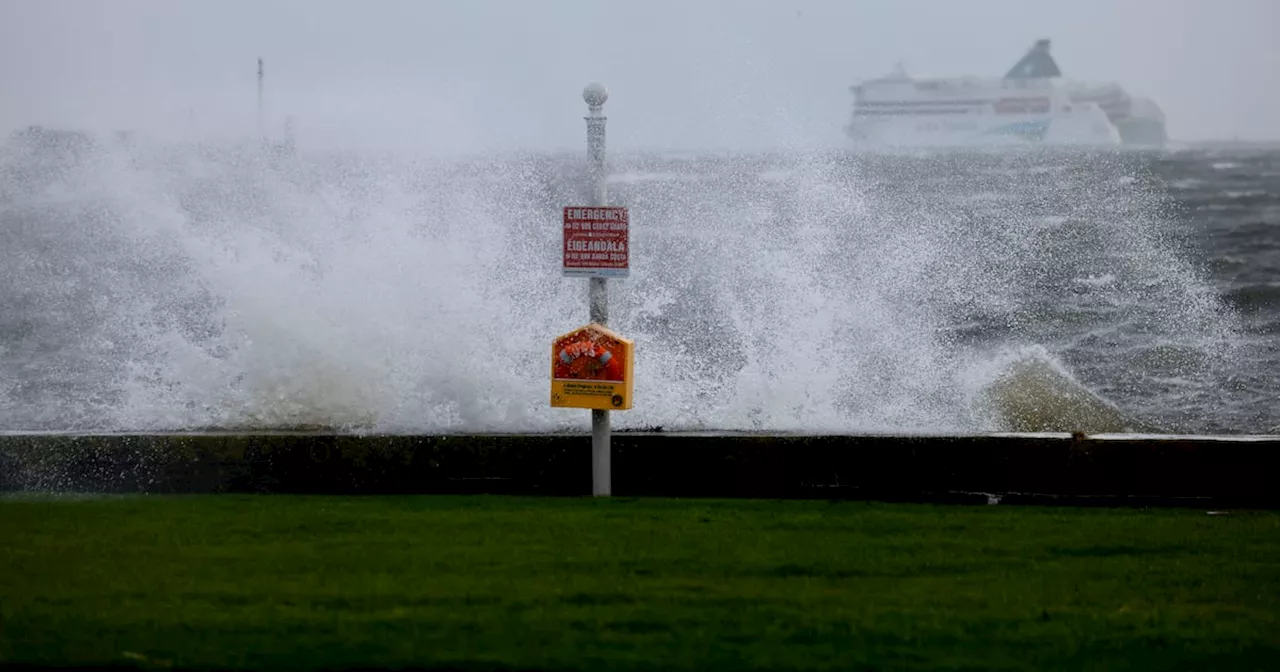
{"type": "Point", "coordinates": [1008, 468]}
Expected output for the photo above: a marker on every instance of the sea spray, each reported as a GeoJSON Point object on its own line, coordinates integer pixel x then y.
{"type": "Point", "coordinates": [184, 286]}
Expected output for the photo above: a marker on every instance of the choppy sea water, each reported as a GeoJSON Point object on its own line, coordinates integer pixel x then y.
{"type": "Point", "coordinates": [148, 287]}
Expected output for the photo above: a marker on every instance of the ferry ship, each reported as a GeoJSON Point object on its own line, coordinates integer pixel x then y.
{"type": "Point", "coordinates": [1031, 104]}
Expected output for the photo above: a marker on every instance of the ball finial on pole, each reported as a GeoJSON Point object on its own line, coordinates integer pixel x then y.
{"type": "Point", "coordinates": [595, 94]}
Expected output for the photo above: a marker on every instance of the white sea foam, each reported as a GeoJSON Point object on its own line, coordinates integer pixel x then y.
{"type": "Point", "coordinates": [171, 287]}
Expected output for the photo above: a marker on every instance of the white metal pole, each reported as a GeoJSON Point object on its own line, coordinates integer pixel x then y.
{"type": "Point", "coordinates": [601, 470]}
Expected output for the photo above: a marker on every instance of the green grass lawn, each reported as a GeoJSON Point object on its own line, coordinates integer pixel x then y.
{"type": "Point", "coordinates": [492, 582]}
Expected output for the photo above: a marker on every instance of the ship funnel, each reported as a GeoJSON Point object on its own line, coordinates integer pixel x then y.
{"type": "Point", "coordinates": [1037, 64]}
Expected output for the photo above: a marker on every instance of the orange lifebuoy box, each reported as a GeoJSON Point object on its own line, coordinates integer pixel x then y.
{"type": "Point", "coordinates": [592, 367]}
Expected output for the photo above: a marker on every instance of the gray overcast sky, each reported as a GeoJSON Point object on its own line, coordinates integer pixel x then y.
{"type": "Point", "coordinates": [475, 75]}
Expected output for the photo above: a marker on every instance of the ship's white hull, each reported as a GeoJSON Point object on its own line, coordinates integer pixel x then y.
{"type": "Point", "coordinates": [1086, 128]}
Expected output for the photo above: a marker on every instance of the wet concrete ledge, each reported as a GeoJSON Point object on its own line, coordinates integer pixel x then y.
{"type": "Point", "coordinates": [1108, 470]}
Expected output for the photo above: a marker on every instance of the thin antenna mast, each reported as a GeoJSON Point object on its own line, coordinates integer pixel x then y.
{"type": "Point", "coordinates": [262, 117]}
